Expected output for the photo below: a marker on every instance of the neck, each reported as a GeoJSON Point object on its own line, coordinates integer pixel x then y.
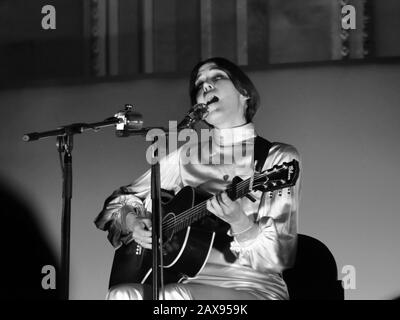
{"type": "Point", "coordinates": [233, 135]}
{"type": "Point", "coordinates": [234, 124]}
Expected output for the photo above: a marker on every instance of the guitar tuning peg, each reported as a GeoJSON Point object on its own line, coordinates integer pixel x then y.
{"type": "Point", "coordinates": [270, 194]}
{"type": "Point", "coordinates": [280, 192]}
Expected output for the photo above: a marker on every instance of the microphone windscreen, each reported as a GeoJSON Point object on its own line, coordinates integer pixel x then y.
{"type": "Point", "coordinates": [134, 121]}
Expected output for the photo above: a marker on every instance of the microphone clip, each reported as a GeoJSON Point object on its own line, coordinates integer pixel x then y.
{"type": "Point", "coordinates": [121, 115]}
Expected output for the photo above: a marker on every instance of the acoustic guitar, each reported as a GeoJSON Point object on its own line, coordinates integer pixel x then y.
{"type": "Point", "coordinates": [189, 229]}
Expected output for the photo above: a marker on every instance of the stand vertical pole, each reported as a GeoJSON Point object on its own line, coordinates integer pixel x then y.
{"type": "Point", "coordinates": [66, 146]}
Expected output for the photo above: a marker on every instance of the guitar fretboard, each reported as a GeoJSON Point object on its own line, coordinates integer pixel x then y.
{"type": "Point", "coordinates": [278, 177]}
{"type": "Point", "coordinates": [199, 211]}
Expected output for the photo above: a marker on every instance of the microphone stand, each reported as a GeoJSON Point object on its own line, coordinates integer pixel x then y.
{"type": "Point", "coordinates": [158, 275]}
{"type": "Point", "coordinates": [157, 234]}
{"type": "Point", "coordinates": [64, 144]}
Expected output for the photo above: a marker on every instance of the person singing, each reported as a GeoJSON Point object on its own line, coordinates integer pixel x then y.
{"type": "Point", "coordinates": [263, 232]}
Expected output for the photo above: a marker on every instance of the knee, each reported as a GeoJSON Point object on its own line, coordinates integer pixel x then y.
{"type": "Point", "coordinates": [175, 291]}
{"type": "Point", "coordinates": [129, 291]}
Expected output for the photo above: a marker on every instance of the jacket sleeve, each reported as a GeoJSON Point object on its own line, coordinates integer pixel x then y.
{"type": "Point", "coordinates": [135, 199]}
{"type": "Point", "coordinates": [274, 245]}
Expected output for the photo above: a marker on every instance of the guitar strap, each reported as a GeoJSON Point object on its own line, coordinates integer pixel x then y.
{"type": "Point", "coordinates": [261, 151]}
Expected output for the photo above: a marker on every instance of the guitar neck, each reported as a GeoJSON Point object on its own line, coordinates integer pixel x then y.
{"type": "Point", "coordinates": [199, 211]}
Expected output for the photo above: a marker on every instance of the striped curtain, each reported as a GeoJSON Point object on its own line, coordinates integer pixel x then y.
{"type": "Point", "coordinates": [162, 36]}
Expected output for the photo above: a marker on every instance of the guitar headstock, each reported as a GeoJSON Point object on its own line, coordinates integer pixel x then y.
{"type": "Point", "coordinates": [278, 177]}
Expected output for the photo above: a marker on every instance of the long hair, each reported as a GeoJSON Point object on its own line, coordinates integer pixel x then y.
{"type": "Point", "coordinates": [239, 79]}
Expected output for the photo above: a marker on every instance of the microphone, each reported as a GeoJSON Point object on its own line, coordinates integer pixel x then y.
{"type": "Point", "coordinates": [129, 121]}
{"type": "Point", "coordinates": [196, 113]}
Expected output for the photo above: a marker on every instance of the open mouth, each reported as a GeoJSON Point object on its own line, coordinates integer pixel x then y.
{"type": "Point", "coordinates": [212, 100]}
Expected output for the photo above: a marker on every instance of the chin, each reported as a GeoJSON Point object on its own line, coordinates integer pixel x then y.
{"type": "Point", "coordinates": [214, 119]}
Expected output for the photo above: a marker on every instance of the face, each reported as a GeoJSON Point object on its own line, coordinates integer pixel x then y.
{"type": "Point", "coordinates": [228, 106]}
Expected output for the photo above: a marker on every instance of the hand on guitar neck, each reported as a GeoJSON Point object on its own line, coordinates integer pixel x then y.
{"type": "Point", "coordinates": [231, 212]}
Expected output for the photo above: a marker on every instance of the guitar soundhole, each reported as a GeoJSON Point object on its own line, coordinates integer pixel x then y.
{"type": "Point", "coordinates": [171, 241]}
{"type": "Point", "coordinates": [172, 245]}
{"type": "Point", "coordinates": [168, 226]}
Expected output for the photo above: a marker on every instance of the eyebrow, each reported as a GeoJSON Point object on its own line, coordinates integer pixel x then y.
{"type": "Point", "coordinates": [212, 68]}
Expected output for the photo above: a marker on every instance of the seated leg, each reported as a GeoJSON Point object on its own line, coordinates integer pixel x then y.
{"type": "Point", "coordinates": [129, 291]}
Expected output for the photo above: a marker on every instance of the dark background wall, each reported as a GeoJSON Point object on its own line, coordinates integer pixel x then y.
{"type": "Point", "coordinates": [343, 119]}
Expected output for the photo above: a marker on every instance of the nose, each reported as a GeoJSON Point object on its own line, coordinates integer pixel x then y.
{"type": "Point", "coordinates": [207, 86]}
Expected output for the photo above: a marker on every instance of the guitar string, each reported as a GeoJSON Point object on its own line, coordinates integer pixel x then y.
{"type": "Point", "coordinates": [192, 212]}
{"type": "Point", "coordinates": [188, 214]}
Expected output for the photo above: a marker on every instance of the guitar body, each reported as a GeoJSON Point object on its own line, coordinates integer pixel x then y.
{"type": "Point", "coordinates": [186, 250]}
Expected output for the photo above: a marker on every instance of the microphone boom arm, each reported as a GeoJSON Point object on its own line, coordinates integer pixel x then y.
{"type": "Point", "coordinates": [74, 128]}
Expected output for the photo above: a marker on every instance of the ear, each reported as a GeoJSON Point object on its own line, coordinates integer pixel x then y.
{"type": "Point", "coordinates": [245, 95]}
{"type": "Point", "coordinates": [244, 98]}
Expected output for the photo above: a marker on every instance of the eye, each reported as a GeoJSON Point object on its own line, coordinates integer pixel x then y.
{"type": "Point", "coordinates": [218, 77]}
{"type": "Point", "coordinates": [214, 78]}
